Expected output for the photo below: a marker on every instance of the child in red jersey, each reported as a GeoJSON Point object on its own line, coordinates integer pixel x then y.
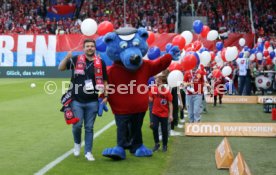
{"type": "Point", "coordinates": [161, 111]}
{"type": "Point", "coordinates": [218, 82]}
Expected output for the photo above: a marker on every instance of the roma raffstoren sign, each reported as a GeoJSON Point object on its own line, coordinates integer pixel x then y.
{"type": "Point", "coordinates": [231, 129]}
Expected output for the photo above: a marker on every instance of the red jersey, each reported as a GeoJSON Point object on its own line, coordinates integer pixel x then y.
{"type": "Point", "coordinates": [161, 98]}
{"type": "Point", "coordinates": [219, 85]}
{"type": "Point", "coordinates": [127, 100]}
{"type": "Point", "coordinates": [197, 83]}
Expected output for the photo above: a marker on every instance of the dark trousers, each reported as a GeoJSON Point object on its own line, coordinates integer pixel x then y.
{"type": "Point", "coordinates": [150, 111]}
{"type": "Point", "coordinates": [175, 107]}
{"type": "Point", "coordinates": [183, 96]}
{"type": "Point", "coordinates": [164, 129]}
{"type": "Point", "coordinates": [129, 130]}
{"type": "Point", "coordinates": [216, 97]}
{"type": "Point", "coordinates": [175, 115]}
{"type": "Point", "coordinates": [245, 82]}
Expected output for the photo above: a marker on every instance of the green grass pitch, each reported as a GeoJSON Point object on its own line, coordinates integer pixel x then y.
{"type": "Point", "coordinates": [33, 133]}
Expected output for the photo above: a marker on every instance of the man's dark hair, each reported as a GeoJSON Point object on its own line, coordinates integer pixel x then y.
{"type": "Point", "coordinates": [89, 41]}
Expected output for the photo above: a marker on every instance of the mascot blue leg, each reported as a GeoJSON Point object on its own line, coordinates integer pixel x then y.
{"type": "Point", "coordinates": [143, 151]}
{"type": "Point", "coordinates": [115, 153]}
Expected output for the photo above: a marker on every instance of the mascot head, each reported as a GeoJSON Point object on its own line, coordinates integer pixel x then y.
{"type": "Point", "coordinates": [128, 46]}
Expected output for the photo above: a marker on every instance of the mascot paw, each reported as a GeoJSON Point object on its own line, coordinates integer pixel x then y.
{"type": "Point", "coordinates": [173, 51]}
{"type": "Point", "coordinates": [102, 107]}
{"type": "Point", "coordinates": [116, 153]}
{"type": "Point", "coordinates": [143, 151]}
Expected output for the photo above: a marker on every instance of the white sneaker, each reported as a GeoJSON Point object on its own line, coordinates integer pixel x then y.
{"type": "Point", "coordinates": [77, 148]}
{"type": "Point", "coordinates": [180, 126]}
{"type": "Point", "coordinates": [89, 156]}
{"type": "Point", "coordinates": [175, 133]}
{"type": "Point", "coordinates": [182, 121]}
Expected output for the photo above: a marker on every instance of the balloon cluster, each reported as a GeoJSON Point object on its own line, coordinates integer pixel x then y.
{"type": "Point", "coordinates": [193, 51]}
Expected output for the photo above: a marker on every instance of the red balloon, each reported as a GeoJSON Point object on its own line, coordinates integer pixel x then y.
{"type": "Point", "coordinates": [267, 44]}
{"type": "Point", "coordinates": [212, 56]}
{"type": "Point", "coordinates": [266, 53]}
{"type": "Point", "coordinates": [188, 62]}
{"type": "Point", "coordinates": [105, 27]}
{"type": "Point", "coordinates": [223, 55]}
{"type": "Point", "coordinates": [216, 73]}
{"type": "Point", "coordinates": [179, 41]}
{"type": "Point", "coordinates": [204, 31]}
{"type": "Point", "coordinates": [151, 38]}
{"type": "Point", "coordinates": [188, 46]}
{"type": "Point", "coordinates": [174, 66]}
{"type": "Point", "coordinates": [190, 49]}
{"type": "Point", "coordinates": [197, 45]}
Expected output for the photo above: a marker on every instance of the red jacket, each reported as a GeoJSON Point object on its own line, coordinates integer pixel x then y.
{"type": "Point", "coordinates": [129, 100]}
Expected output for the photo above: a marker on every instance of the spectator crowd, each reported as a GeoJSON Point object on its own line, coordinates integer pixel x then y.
{"type": "Point", "coordinates": [234, 15]}
{"type": "Point", "coordinates": [159, 16]}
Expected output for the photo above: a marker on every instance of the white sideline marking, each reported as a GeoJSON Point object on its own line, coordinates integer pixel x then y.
{"type": "Point", "coordinates": [65, 155]}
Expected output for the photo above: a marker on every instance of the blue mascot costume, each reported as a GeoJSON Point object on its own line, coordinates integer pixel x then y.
{"type": "Point", "coordinates": [127, 78]}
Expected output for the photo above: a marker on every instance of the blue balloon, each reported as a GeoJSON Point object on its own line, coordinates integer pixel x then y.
{"type": "Point", "coordinates": [203, 49]}
{"type": "Point", "coordinates": [240, 54]}
{"type": "Point", "coordinates": [272, 54]}
{"type": "Point", "coordinates": [261, 47]}
{"type": "Point", "coordinates": [219, 45]}
{"type": "Point", "coordinates": [197, 58]}
{"type": "Point", "coordinates": [245, 48]}
{"type": "Point", "coordinates": [153, 53]}
{"type": "Point", "coordinates": [100, 44]}
{"type": "Point", "coordinates": [197, 26]}
{"type": "Point", "coordinates": [253, 51]}
{"type": "Point", "coordinates": [168, 47]}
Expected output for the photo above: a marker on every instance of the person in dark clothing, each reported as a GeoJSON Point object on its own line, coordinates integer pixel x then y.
{"type": "Point", "coordinates": [89, 78]}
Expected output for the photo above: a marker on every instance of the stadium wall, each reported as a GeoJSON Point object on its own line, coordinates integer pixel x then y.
{"type": "Point", "coordinates": [44, 52]}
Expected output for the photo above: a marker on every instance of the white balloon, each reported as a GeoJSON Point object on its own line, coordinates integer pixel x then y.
{"type": "Point", "coordinates": [231, 53]}
{"type": "Point", "coordinates": [212, 35]}
{"type": "Point", "coordinates": [174, 78]}
{"type": "Point", "coordinates": [242, 42]}
{"type": "Point", "coordinates": [260, 40]}
{"type": "Point", "coordinates": [259, 56]}
{"type": "Point", "coordinates": [219, 61]}
{"type": "Point", "coordinates": [226, 71]}
{"type": "Point", "coordinates": [205, 58]}
{"type": "Point", "coordinates": [182, 55]}
{"type": "Point", "coordinates": [270, 49]}
{"type": "Point", "coordinates": [252, 57]}
{"type": "Point", "coordinates": [274, 60]}
{"type": "Point", "coordinates": [246, 54]}
{"type": "Point", "coordinates": [219, 54]}
{"type": "Point", "coordinates": [188, 36]}
{"type": "Point", "coordinates": [89, 27]}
